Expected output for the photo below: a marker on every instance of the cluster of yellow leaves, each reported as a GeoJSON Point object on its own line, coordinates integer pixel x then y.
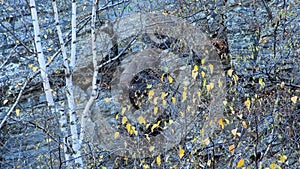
{"type": "Point", "coordinates": [150, 94]}
{"type": "Point", "coordinates": [34, 68]}
{"type": "Point", "coordinates": [209, 87]}
{"type": "Point", "coordinates": [235, 133]}
{"type": "Point", "coordinates": [230, 74]}
{"type": "Point", "coordinates": [130, 128]}
{"type": "Point", "coordinates": [156, 125]}
{"type": "Point", "coordinates": [231, 148]}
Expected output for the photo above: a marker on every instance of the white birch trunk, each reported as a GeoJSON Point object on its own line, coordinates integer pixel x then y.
{"type": "Point", "coordinates": [70, 95]}
{"type": "Point", "coordinates": [95, 73]}
{"type": "Point", "coordinates": [63, 117]}
{"type": "Point", "coordinates": [41, 59]}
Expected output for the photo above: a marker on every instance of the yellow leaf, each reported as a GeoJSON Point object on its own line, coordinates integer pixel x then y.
{"type": "Point", "coordinates": [173, 100]}
{"type": "Point", "coordinates": [124, 120]}
{"type": "Point", "coordinates": [106, 99]}
{"type": "Point", "coordinates": [202, 74]}
{"type": "Point", "coordinates": [170, 79]}
{"type": "Point", "coordinates": [204, 82]}
{"type": "Point", "coordinates": [128, 127]}
{"type": "Point", "coordinates": [234, 132]}
{"type": "Point", "coordinates": [164, 102]}
{"type": "Point", "coordinates": [240, 116]}
{"type": "Point", "coordinates": [203, 61]}
{"type": "Point", "coordinates": [244, 124]}
{"type": "Point", "coordinates": [147, 137]}
{"type": "Point", "coordinates": [231, 148]}
{"type": "Point", "coordinates": [247, 103]}
{"type": "Point", "coordinates": [155, 100]}
{"type": "Point", "coordinates": [35, 68]}
{"type": "Point", "coordinates": [123, 110]}
{"type": "Point", "coordinates": [196, 68]}
{"type": "Point", "coordinates": [155, 110]}
{"type": "Point", "coordinates": [150, 94]}
{"type": "Point", "coordinates": [282, 158]}
{"type": "Point", "coordinates": [221, 123]}
{"type": "Point", "coordinates": [183, 96]}
{"type": "Point", "coordinates": [181, 152]}
{"type": "Point", "coordinates": [220, 82]}
{"type": "Point", "coordinates": [116, 135]}
{"type": "Point", "coordinates": [261, 82]}
{"type": "Point", "coordinates": [162, 77]}
{"type": "Point", "coordinates": [208, 163]}
{"type": "Point", "coordinates": [158, 160]}
{"type": "Point", "coordinates": [235, 78]}
{"type": "Point", "coordinates": [209, 87]}
{"type": "Point", "coordinates": [282, 84]}
{"type": "Point", "coordinates": [141, 120]}
{"type": "Point", "coordinates": [194, 74]}
{"type": "Point", "coordinates": [206, 141]}
{"type": "Point", "coordinates": [17, 112]}
{"type": "Point", "coordinates": [229, 72]}
{"type": "Point", "coordinates": [5, 101]}
{"type": "Point", "coordinates": [163, 95]}
{"type": "Point", "coordinates": [151, 148]}
{"type": "Point", "coordinates": [171, 121]}
{"type": "Point", "coordinates": [241, 163]}
{"type": "Point", "coordinates": [273, 165]}
{"type": "Point", "coordinates": [264, 41]}
{"type": "Point", "coordinates": [49, 59]}
{"type": "Point", "coordinates": [155, 125]}
{"type": "Point", "coordinates": [146, 166]}
{"type": "Point", "coordinates": [30, 65]}
{"type": "Point", "coordinates": [211, 68]}
{"type": "Point", "coordinates": [133, 131]}
{"type": "Point", "coordinates": [294, 99]}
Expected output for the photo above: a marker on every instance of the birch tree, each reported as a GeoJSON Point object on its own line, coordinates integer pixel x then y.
{"type": "Point", "coordinates": [68, 75]}
{"type": "Point", "coordinates": [95, 73]}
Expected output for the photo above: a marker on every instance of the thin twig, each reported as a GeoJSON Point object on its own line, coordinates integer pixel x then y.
{"type": "Point", "coordinates": [15, 37]}
{"type": "Point", "coordinates": [28, 79]}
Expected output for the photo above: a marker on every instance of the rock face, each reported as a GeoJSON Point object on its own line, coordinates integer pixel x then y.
{"type": "Point", "coordinates": [157, 81]}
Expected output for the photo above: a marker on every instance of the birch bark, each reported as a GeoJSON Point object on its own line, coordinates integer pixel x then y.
{"type": "Point", "coordinates": [40, 55]}
{"type": "Point", "coordinates": [63, 117]}
{"type": "Point", "coordinates": [95, 73]}
{"type": "Point", "coordinates": [70, 95]}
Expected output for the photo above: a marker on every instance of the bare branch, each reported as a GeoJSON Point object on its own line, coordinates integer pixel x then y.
{"type": "Point", "coordinates": [95, 73]}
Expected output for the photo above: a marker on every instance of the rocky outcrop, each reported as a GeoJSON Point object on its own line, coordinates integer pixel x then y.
{"type": "Point", "coordinates": [169, 48]}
